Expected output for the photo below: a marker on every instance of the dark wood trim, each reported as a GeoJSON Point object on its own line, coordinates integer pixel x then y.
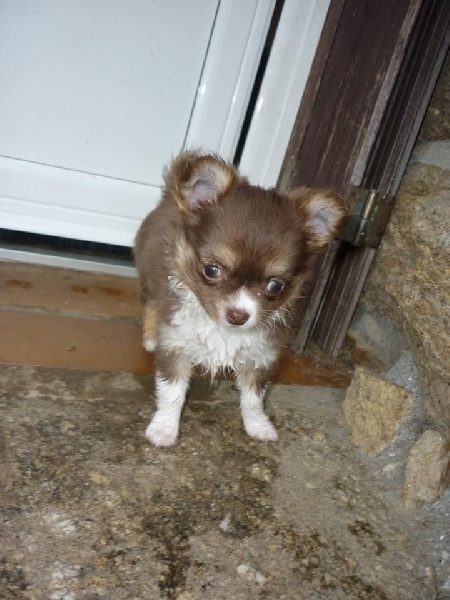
{"type": "Point", "coordinates": [366, 96]}
{"type": "Point", "coordinates": [317, 71]}
{"type": "Point", "coordinates": [309, 306]}
{"type": "Point", "coordinates": [353, 91]}
{"type": "Point", "coordinates": [340, 299]}
{"type": "Point", "coordinates": [410, 98]}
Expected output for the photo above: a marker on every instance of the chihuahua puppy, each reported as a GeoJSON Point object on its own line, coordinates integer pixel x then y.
{"type": "Point", "coordinates": [221, 264]}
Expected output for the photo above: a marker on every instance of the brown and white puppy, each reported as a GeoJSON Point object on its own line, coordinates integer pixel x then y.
{"type": "Point", "coordinates": [221, 264]}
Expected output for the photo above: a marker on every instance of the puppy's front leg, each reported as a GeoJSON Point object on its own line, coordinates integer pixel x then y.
{"type": "Point", "coordinates": [149, 327]}
{"type": "Point", "coordinates": [251, 383]}
{"type": "Point", "coordinates": [172, 380]}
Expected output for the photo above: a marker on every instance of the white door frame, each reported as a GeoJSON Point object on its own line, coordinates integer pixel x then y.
{"type": "Point", "coordinates": [287, 71]}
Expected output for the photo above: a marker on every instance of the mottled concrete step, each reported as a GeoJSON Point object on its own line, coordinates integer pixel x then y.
{"type": "Point", "coordinates": [90, 510]}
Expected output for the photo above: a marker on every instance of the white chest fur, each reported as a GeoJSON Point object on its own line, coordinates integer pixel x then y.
{"type": "Point", "coordinates": [215, 345]}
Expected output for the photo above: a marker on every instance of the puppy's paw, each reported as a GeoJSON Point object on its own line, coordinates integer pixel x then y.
{"type": "Point", "coordinates": [149, 343]}
{"type": "Point", "coordinates": [260, 428]}
{"type": "Point", "coordinates": [162, 434]}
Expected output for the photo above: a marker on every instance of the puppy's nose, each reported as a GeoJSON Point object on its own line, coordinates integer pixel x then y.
{"type": "Point", "coordinates": [237, 316]}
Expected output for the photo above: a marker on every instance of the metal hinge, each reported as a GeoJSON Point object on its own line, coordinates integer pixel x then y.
{"type": "Point", "coordinates": [369, 215]}
{"type": "Point", "coordinates": [370, 210]}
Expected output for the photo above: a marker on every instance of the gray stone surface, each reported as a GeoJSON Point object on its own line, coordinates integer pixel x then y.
{"type": "Point", "coordinates": [90, 510]}
{"type": "Point", "coordinates": [404, 372]}
{"type": "Point", "coordinates": [436, 125]}
{"type": "Point", "coordinates": [377, 342]}
{"type": "Point", "coordinates": [433, 153]}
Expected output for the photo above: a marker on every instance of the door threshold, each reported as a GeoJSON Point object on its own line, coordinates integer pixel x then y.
{"type": "Point", "coordinates": [67, 260]}
{"type": "Point", "coordinates": [92, 321]}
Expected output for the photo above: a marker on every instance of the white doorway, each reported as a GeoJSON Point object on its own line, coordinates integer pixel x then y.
{"type": "Point", "coordinates": [98, 95]}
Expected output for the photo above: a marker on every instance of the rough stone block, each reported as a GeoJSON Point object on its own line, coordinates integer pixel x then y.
{"type": "Point", "coordinates": [409, 281]}
{"type": "Point", "coordinates": [427, 469]}
{"type": "Point", "coordinates": [377, 411]}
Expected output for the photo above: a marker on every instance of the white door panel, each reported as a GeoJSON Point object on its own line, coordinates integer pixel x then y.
{"type": "Point", "coordinates": [100, 86]}
{"type": "Point", "coordinates": [97, 96]}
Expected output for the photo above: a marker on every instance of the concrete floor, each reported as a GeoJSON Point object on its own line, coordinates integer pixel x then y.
{"type": "Point", "coordinates": [90, 510]}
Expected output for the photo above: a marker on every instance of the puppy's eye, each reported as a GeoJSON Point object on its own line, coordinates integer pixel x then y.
{"type": "Point", "coordinates": [274, 287]}
{"type": "Point", "coordinates": [212, 271]}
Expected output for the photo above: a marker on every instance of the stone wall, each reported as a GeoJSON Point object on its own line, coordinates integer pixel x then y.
{"type": "Point", "coordinates": [409, 282]}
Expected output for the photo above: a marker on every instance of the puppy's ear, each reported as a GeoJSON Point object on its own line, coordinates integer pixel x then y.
{"type": "Point", "coordinates": [194, 179]}
{"type": "Point", "coordinates": [323, 213]}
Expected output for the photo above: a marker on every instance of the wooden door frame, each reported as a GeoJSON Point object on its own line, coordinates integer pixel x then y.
{"type": "Point", "coordinates": [370, 84]}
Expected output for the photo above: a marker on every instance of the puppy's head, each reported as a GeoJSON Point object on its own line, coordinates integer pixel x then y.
{"type": "Point", "coordinates": [244, 251]}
